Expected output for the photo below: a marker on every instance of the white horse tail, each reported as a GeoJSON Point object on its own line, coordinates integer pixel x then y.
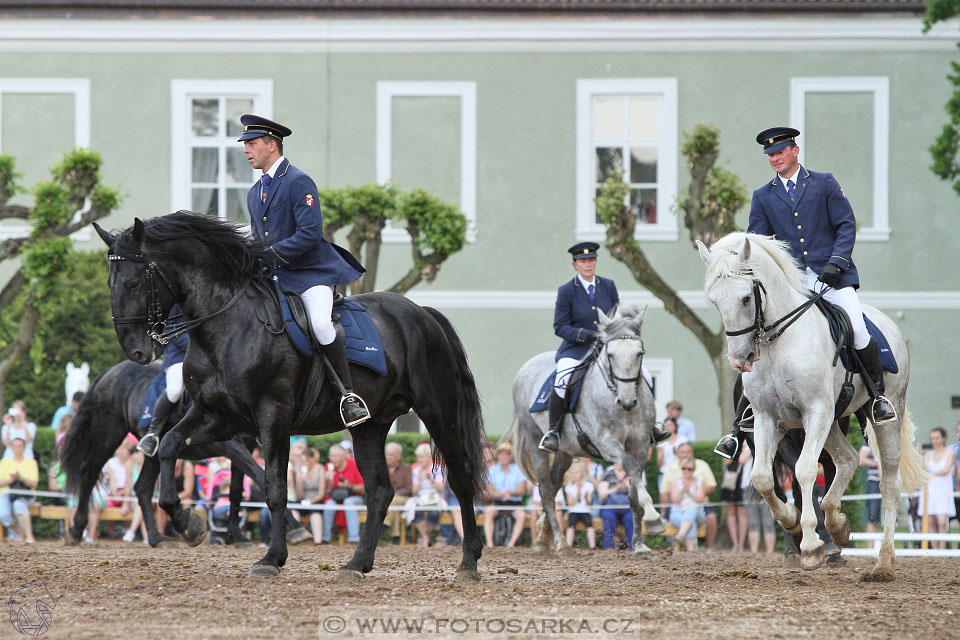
{"type": "Point", "coordinates": [912, 473]}
{"type": "Point", "coordinates": [521, 446]}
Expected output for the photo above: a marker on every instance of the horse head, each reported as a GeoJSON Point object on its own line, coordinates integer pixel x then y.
{"type": "Point", "coordinates": [623, 348]}
{"type": "Point", "coordinates": [137, 299]}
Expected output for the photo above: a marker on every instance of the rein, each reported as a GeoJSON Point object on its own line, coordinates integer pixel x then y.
{"type": "Point", "coordinates": [789, 318]}
{"type": "Point", "coordinates": [157, 327]}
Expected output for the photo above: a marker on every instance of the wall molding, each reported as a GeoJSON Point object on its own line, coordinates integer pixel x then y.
{"type": "Point", "coordinates": [694, 298]}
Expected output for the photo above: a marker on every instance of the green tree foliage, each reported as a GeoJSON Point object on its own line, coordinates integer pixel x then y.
{"type": "Point", "coordinates": [709, 205]}
{"type": "Point", "coordinates": [946, 148]}
{"type": "Point", "coordinates": [75, 326]}
{"type": "Point", "coordinates": [438, 229]}
{"type": "Point", "coordinates": [71, 200]}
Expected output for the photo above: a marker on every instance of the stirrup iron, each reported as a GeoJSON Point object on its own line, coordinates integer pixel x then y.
{"type": "Point", "coordinates": [873, 407]}
{"type": "Point", "coordinates": [723, 454]}
{"type": "Point", "coordinates": [347, 399]}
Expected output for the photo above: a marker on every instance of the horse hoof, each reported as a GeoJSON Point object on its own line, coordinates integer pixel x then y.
{"type": "Point", "coordinates": [297, 536]}
{"type": "Point", "coordinates": [540, 549]}
{"type": "Point", "coordinates": [566, 552]}
{"type": "Point", "coordinates": [263, 570]}
{"type": "Point", "coordinates": [643, 551]}
{"type": "Point", "coordinates": [841, 534]}
{"type": "Point", "coordinates": [810, 560]}
{"type": "Point", "coordinates": [196, 530]}
{"type": "Point", "coordinates": [242, 544]}
{"type": "Point", "coordinates": [835, 561]}
{"type": "Point", "coordinates": [791, 561]}
{"type": "Point", "coordinates": [69, 540]}
{"type": "Point", "coordinates": [878, 575]}
{"type": "Point", "coordinates": [348, 575]}
{"type": "Point", "coordinates": [467, 575]}
{"type": "Point", "coordinates": [655, 527]}
{"type": "Point", "coordinates": [164, 543]}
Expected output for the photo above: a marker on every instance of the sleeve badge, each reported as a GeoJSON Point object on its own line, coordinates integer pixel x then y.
{"type": "Point", "coordinates": [309, 200]}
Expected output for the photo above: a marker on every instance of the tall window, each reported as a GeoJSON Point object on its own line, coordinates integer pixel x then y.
{"type": "Point", "coordinates": [628, 127]}
{"type": "Point", "coordinates": [211, 172]}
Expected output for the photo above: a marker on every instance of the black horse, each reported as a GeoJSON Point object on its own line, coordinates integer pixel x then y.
{"type": "Point", "coordinates": [245, 378]}
{"type": "Point", "coordinates": [109, 411]}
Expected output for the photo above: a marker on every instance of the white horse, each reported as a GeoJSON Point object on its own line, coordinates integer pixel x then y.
{"type": "Point", "coordinates": [792, 384]}
{"type": "Point", "coordinates": [615, 410]}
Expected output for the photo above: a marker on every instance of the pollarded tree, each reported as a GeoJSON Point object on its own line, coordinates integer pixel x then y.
{"type": "Point", "coordinates": [437, 229]}
{"type": "Point", "coordinates": [67, 203]}
{"type": "Point", "coordinates": [709, 205]}
{"type": "Point", "coordinates": [946, 148]}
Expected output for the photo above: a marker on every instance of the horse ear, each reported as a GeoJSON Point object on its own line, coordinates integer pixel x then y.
{"type": "Point", "coordinates": [85, 368]}
{"type": "Point", "coordinates": [640, 316]}
{"type": "Point", "coordinates": [108, 239]}
{"type": "Point", "coordinates": [604, 319]}
{"type": "Point", "coordinates": [704, 252]}
{"type": "Point", "coordinates": [139, 233]}
{"type": "Point", "coordinates": [745, 251]}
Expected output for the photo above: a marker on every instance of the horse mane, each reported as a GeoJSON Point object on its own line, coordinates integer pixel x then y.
{"type": "Point", "coordinates": [624, 322]}
{"type": "Point", "coordinates": [226, 240]}
{"type": "Point", "coordinates": [725, 260]}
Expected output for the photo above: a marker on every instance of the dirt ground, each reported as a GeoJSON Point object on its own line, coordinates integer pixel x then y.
{"type": "Point", "coordinates": [117, 590]}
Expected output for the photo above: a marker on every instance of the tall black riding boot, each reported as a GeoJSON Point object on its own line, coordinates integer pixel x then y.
{"type": "Point", "coordinates": [161, 413]}
{"type": "Point", "coordinates": [883, 410]}
{"type": "Point", "coordinates": [353, 410]}
{"type": "Point", "coordinates": [551, 439]}
{"type": "Point", "coordinates": [731, 444]}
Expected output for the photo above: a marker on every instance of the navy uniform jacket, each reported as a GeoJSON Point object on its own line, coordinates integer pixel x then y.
{"type": "Point", "coordinates": [576, 315]}
{"type": "Point", "coordinates": [291, 226]}
{"type": "Point", "coordinates": [176, 349]}
{"type": "Point", "coordinates": [819, 225]}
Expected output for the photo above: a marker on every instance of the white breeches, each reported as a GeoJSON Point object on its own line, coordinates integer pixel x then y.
{"type": "Point", "coordinates": [174, 381]}
{"type": "Point", "coordinates": [565, 367]}
{"type": "Point", "coordinates": [319, 303]}
{"type": "Point", "coordinates": [845, 298]}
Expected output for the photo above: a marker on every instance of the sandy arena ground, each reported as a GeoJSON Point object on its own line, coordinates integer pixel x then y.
{"type": "Point", "coordinates": [117, 590]}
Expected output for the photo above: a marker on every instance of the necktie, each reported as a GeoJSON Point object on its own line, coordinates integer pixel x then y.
{"type": "Point", "coordinates": [264, 188]}
{"type": "Point", "coordinates": [590, 291]}
{"type": "Point", "coordinates": [791, 189]}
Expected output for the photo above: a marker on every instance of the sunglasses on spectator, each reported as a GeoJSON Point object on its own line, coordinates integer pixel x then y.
{"type": "Point", "coordinates": [689, 468]}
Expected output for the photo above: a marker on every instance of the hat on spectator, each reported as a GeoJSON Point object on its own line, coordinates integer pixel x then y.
{"type": "Point", "coordinates": [504, 446]}
{"type": "Point", "coordinates": [346, 444]}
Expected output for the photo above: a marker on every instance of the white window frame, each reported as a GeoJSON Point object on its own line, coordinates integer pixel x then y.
{"type": "Point", "coordinates": [79, 88]}
{"type": "Point", "coordinates": [181, 94]}
{"type": "Point", "coordinates": [879, 86]}
{"type": "Point", "coordinates": [665, 229]}
{"type": "Point", "coordinates": [662, 371]}
{"type": "Point", "coordinates": [467, 92]}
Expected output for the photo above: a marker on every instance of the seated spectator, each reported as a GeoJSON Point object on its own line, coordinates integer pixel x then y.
{"type": "Point", "coordinates": [614, 490]}
{"type": "Point", "coordinates": [136, 522]}
{"type": "Point", "coordinates": [872, 464]}
{"type": "Point", "coordinates": [706, 477]}
{"type": "Point", "coordinates": [117, 473]}
{"type": "Point", "coordinates": [687, 495]}
{"type": "Point", "coordinates": [427, 489]}
{"type": "Point", "coordinates": [401, 479]}
{"type": "Point", "coordinates": [579, 497]}
{"type": "Point", "coordinates": [295, 465]}
{"type": "Point", "coordinates": [18, 472]}
{"type": "Point", "coordinates": [17, 426]}
{"type": "Point", "coordinates": [344, 486]}
{"type": "Point", "coordinates": [593, 473]}
{"type": "Point", "coordinates": [508, 486]}
{"type": "Point", "coordinates": [62, 428]}
{"type": "Point", "coordinates": [62, 412]}
{"type": "Point", "coordinates": [452, 533]}
{"type": "Point", "coordinates": [311, 490]}
{"type": "Point", "coordinates": [685, 426]}
{"type": "Point", "coordinates": [667, 450]}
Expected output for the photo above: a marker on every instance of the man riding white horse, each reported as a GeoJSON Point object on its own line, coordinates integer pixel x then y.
{"type": "Point", "coordinates": [809, 211]}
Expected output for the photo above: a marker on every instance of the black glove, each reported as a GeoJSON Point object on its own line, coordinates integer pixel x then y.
{"type": "Point", "coordinates": [593, 336]}
{"type": "Point", "coordinates": [830, 275]}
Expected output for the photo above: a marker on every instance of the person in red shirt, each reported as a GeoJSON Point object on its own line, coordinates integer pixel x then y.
{"type": "Point", "coordinates": [344, 486]}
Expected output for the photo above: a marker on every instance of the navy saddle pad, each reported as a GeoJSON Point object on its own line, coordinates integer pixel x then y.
{"type": "Point", "coordinates": [543, 398]}
{"type": "Point", "coordinates": [362, 341]}
{"type": "Point", "coordinates": [887, 360]}
{"type": "Point", "coordinates": [157, 386]}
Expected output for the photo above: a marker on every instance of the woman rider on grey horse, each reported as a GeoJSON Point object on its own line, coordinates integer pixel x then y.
{"type": "Point", "coordinates": [575, 320]}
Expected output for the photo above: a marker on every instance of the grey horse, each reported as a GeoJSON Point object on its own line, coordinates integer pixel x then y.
{"type": "Point", "coordinates": [615, 411]}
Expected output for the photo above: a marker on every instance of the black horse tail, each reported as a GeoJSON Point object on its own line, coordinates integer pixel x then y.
{"type": "Point", "coordinates": [79, 446]}
{"type": "Point", "coordinates": [471, 426]}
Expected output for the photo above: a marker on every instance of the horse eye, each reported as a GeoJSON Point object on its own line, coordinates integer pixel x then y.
{"type": "Point", "coordinates": [746, 300]}
{"type": "Point", "coordinates": [132, 285]}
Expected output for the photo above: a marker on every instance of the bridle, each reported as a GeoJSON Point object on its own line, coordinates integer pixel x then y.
{"type": "Point", "coordinates": [608, 375]}
{"type": "Point", "coordinates": [157, 327]}
{"type": "Point", "coordinates": [758, 325]}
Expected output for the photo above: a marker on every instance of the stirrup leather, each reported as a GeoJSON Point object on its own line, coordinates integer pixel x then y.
{"type": "Point", "coordinates": [351, 396]}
